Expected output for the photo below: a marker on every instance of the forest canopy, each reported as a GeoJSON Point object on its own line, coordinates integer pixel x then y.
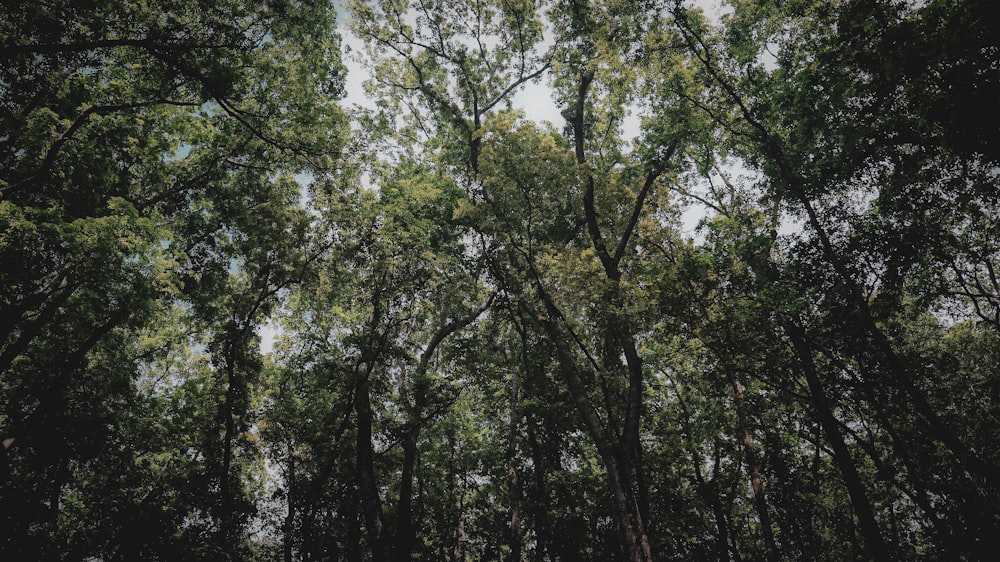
{"type": "Point", "coordinates": [498, 338]}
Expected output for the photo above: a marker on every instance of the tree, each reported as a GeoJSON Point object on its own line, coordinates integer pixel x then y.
{"type": "Point", "coordinates": [823, 146]}
{"type": "Point", "coordinates": [137, 144]}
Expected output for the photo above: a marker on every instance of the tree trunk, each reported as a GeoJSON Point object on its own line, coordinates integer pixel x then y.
{"type": "Point", "coordinates": [352, 542]}
{"type": "Point", "coordinates": [611, 263]}
{"type": "Point", "coordinates": [708, 490]}
{"type": "Point", "coordinates": [225, 489]}
{"type": "Point", "coordinates": [541, 494]}
{"type": "Point", "coordinates": [720, 514]}
{"type": "Point", "coordinates": [405, 533]}
{"type": "Point", "coordinates": [516, 554]}
{"type": "Point", "coordinates": [626, 509]}
{"type": "Point", "coordinates": [899, 376]}
{"type": "Point", "coordinates": [841, 454]}
{"type": "Point", "coordinates": [753, 466]}
{"type": "Point", "coordinates": [287, 543]}
{"type": "Point", "coordinates": [367, 483]}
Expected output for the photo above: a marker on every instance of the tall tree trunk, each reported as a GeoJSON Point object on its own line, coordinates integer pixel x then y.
{"type": "Point", "coordinates": [708, 490]}
{"type": "Point", "coordinates": [540, 493]}
{"type": "Point", "coordinates": [720, 514]}
{"type": "Point", "coordinates": [841, 454]}
{"type": "Point", "coordinates": [631, 443]}
{"type": "Point", "coordinates": [919, 494]}
{"type": "Point", "coordinates": [289, 530]}
{"type": "Point", "coordinates": [516, 554]}
{"type": "Point", "coordinates": [611, 260]}
{"type": "Point", "coordinates": [226, 523]}
{"type": "Point", "coordinates": [352, 542]}
{"type": "Point", "coordinates": [456, 498]}
{"type": "Point", "coordinates": [405, 530]}
{"type": "Point", "coordinates": [626, 509]}
{"type": "Point", "coordinates": [753, 466]}
{"type": "Point", "coordinates": [365, 454]}
{"type": "Point", "coordinates": [899, 376]}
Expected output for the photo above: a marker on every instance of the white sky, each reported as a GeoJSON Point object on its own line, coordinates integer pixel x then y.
{"type": "Point", "coordinates": [535, 98]}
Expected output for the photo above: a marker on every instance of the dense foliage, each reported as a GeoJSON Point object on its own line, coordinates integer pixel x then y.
{"type": "Point", "coordinates": [496, 338]}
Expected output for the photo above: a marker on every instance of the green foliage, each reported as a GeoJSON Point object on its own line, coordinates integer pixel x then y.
{"type": "Point", "coordinates": [147, 225]}
{"type": "Point", "coordinates": [493, 339]}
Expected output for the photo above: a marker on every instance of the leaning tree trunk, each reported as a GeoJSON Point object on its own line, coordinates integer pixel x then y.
{"type": "Point", "coordinates": [626, 509]}
{"type": "Point", "coordinates": [841, 454]}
